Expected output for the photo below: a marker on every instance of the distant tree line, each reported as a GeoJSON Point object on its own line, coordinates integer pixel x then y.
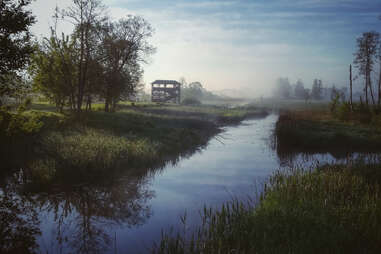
{"type": "Point", "coordinates": [100, 60]}
{"type": "Point", "coordinates": [284, 89]}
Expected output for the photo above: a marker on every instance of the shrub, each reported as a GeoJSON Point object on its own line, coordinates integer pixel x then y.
{"type": "Point", "coordinates": [344, 111]}
{"type": "Point", "coordinates": [191, 101]}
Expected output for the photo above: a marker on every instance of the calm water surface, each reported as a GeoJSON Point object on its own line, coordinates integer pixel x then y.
{"type": "Point", "coordinates": [128, 215]}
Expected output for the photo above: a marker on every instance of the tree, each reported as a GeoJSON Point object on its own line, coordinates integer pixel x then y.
{"type": "Point", "coordinates": [299, 90]}
{"type": "Point", "coordinates": [367, 46]}
{"type": "Point", "coordinates": [86, 15]}
{"type": "Point", "coordinates": [282, 88]}
{"type": "Point", "coordinates": [379, 77]}
{"type": "Point", "coordinates": [317, 89]}
{"type": "Point", "coordinates": [124, 47]}
{"type": "Point", "coordinates": [54, 70]}
{"type": "Point", "coordinates": [15, 43]}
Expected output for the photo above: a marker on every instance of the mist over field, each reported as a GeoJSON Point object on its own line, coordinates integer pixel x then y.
{"type": "Point", "coordinates": [244, 45]}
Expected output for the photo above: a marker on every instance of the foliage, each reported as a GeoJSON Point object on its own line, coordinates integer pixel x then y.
{"type": "Point", "coordinates": [196, 91]}
{"type": "Point", "coordinates": [344, 111]}
{"type": "Point", "coordinates": [18, 124]}
{"type": "Point", "coordinates": [54, 70]}
{"type": "Point", "coordinates": [15, 46]}
{"type": "Point", "coordinates": [101, 59]}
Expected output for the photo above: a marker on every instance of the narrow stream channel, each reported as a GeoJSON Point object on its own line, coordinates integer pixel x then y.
{"type": "Point", "coordinates": [129, 215]}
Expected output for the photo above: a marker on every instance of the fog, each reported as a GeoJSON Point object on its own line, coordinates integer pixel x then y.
{"type": "Point", "coordinates": [242, 47]}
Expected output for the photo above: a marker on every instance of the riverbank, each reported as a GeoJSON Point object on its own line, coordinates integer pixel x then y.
{"type": "Point", "coordinates": [59, 147]}
{"type": "Point", "coordinates": [324, 127]}
{"type": "Point", "coordinates": [328, 209]}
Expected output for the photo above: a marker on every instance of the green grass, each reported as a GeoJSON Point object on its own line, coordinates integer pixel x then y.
{"type": "Point", "coordinates": [58, 147]}
{"type": "Point", "coordinates": [333, 209]}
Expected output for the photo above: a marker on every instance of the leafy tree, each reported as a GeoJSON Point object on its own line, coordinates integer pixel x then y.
{"type": "Point", "coordinates": [100, 59]}
{"type": "Point", "coordinates": [55, 71]}
{"type": "Point", "coordinates": [365, 57]}
{"type": "Point", "coordinates": [124, 47]}
{"type": "Point", "coordinates": [15, 44]}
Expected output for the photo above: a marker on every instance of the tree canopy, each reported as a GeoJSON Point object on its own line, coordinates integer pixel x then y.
{"type": "Point", "coordinates": [15, 41]}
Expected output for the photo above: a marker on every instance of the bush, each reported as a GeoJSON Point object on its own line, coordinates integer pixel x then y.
{"type": "Point", "coordinates": [191, 101]}
{"type": "Point", "coordinates": [344, 111]}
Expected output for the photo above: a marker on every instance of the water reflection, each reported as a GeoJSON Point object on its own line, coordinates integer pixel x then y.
{"type": "Point", "coordinates": [19, 223]}
{"type": "Point", "coordinates": [72, 213]}
{"type": "Point", "coordinates": [290, 155]}
{"type": "Point", "coordinates": [78, 218]}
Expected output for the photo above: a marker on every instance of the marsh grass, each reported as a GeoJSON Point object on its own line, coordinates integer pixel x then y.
{"type": "Point", "coordinates": [334, 209]}
{"type": "Point", "coordinates": [79, 147]}
{"type": "Point", "coordinates": [318, 130]}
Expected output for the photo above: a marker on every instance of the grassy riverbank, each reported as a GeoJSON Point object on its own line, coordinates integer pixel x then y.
{"type": "Point", "coordinates": [332, 209]}
{"type": "Point", "coordinates": [321, 128]}
{"type": "Point", "coordinates": [326, 209]}
{"type": "Point", "coordinates": [64, 146]}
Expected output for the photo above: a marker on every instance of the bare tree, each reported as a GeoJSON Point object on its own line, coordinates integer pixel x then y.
{"type": "Point", "coordinates": [367, 46]}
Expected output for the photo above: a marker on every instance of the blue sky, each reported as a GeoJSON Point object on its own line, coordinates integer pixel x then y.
{"type": "Point", "coordinates": [246, 44]}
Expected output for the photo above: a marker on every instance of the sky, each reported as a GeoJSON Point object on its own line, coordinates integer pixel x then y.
{"type": "Point", "coordinates": [243, 45]}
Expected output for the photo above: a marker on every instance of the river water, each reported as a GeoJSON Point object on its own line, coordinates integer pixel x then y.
{"type": "Point", "coordinates": [129, 214]}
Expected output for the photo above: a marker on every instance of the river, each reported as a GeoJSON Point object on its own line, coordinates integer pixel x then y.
{"type": "Point", "coordinates": [129, 214]}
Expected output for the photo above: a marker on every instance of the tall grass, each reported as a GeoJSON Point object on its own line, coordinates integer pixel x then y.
{"type": "Point", "coordinates": [308, 131]}
{"type": "Point", "coordinates": [95, 144]}
{"type": "Point", "coordinates": [330, 210]}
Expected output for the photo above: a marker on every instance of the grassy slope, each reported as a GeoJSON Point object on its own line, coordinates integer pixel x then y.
{"type": "Point", "coordinates": [95, 143]}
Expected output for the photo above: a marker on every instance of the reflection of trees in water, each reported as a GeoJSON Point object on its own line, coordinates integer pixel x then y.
{"type": "Point", "coordinates": [83, 214]}
{"type": "Point", "coordinates": [18, 221]}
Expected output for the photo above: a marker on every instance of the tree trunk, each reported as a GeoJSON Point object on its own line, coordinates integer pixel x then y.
{"type": "Point", "coordinates": [366, 90]}
{"type": "Point", "coordinates": [379, 87]}
{"type": "Point", "coordinates": [371, 90]}
{"type": "Point", "coordinates": [350, 86]}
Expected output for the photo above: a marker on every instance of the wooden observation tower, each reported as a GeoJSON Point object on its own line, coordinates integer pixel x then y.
{"type": "Point", "coordinates": [165, 91]}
